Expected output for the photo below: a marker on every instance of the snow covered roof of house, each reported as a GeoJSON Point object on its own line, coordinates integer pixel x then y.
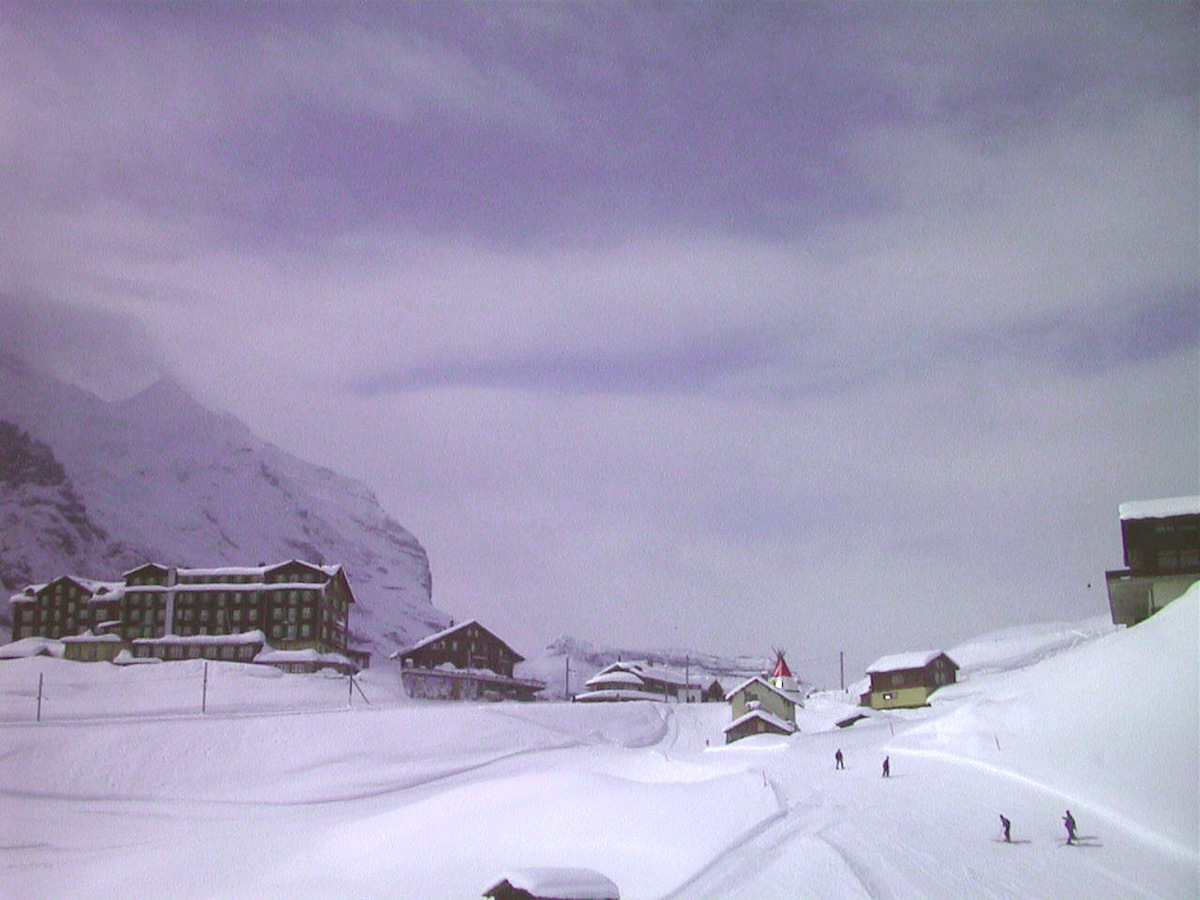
{"type": "Point", "coordinates": [89, 637]}
{"type": "Point", "coordinates": [100, 590]}
{"type": "Point", "coordinates": [308, 655]}
{"type": "Point", "coordinates": [621, 677]}
{"type": "Point", "coordinates": [558, 883]}
{"type": "Point", "coordinates": [617, 694]}
{"type": "Point", "coordinates": [790, 698]}
{"type": "Point", "coordinates": [32, 646]}
{"type": "Point", "coordinates": [647, 671]}
{"type": "Point", "coordinates": [768, 717]}
{"type": "Point", "coordinates": [245, 637]}
{"type": "Point", "coordinates": [239, 571]}
{"type": "Point", "coordinates": [1160, 509]}
{"type": "Point", "coordinates": [446, 632]}
{"type": "Point", "coordinates": [897, 662]}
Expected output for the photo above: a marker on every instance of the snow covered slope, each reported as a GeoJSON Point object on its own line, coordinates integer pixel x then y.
{"type": "Point", "coordinates": [408, 799]}
{"type": "Point", "coordinates": [175, 483]}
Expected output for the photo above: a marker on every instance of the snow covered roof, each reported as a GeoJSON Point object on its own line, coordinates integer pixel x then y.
{"type": "Point", "coordinates": [245, 637]}
{"type": "Point", "coordinates": [898, 662]}
{"type": "Point", "coordinates": [617, 694]}
{"type": "Point", "coordinates": [309, 655]}
{"type": "Point", "coordinates": [768, 717]}
{"type": "Point", "coordinates": [239, 571]}
{"type": "Point", "coordinates": [32, 646]}
{"type": "Point", "coordinates": [1160, 509]}
{"type": "Point", "coordinates": [558, 883]}
{"type": "Point", "coordinates": [647, 671]}
{"type": "Point", "coordinates": [615, 678]}
{"type": "Point", "coordinates": [790, 698]}
{"type": "Point", "coordinates": [437, 636]}
{"type": "Point", "coordinates": [100, 590]}
{"type": "Point", "coordinates": [445, 632]}
{"type": "Point", "coordinates": [89, 637]}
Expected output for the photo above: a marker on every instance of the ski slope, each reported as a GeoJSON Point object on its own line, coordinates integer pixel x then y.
{"type": "Point", "coordinates": [427, 800]}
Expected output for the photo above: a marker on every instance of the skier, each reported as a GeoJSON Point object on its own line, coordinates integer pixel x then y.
{"type": "Point", "coordinates": [839, 760]}
{"type": "Point", "coordinates": [1007, 828]}
{"type": "Point", "coordinates": [887, 767]}
{"type": "Point", "coordinates": [1069, 821]}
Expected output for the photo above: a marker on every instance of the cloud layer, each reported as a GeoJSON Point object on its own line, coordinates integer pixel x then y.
{"type": "Point", "coordinates": [714, 324]}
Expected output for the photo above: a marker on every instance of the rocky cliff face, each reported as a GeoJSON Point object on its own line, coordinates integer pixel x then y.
{"type": "Point", "coordinates": [100, 486]}
{"type": "Point", "coordinates": [44, 525]}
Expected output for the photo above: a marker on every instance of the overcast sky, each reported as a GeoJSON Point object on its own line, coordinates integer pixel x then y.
{"type": "Point", "coordinates": [726, 326]}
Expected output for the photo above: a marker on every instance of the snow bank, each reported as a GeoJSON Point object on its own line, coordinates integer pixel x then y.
{"type": "Point", "coordinates": [1112, 723]}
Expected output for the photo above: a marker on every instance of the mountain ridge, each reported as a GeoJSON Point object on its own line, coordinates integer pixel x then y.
{"type": "Point", "coordinates": [164, 478]}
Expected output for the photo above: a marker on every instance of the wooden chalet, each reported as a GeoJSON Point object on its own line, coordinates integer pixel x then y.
{"type": "Point", "coordinates": [1161, 542]}
{"type": "Point", "coordinates": [171, 613]}
{"type": "Point", "coordinates": [906, 680]}
{"type": "Point", "coordinates": [464, 662]}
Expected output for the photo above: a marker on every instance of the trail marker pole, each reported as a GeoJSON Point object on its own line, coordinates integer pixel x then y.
{"type": "Point", "coordinates": [355, 685]}
{"type": "Point", "coordinates": [204, 692]}
{"type": "Point", "coordinates": [350, 692]}
{"type": "Point", "coordinates": [39, 702]}
{"type": "Point", "coordinates": [842, 668]}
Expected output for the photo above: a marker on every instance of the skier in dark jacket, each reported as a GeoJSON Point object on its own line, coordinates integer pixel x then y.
{"type": "Point", "coordinates": [838, 759]}
{"type": "Point", "coordinates": [1007, 825]}
{"type": "Point", "coordinates": [887, 767]}
{"type": "Point", "coordinates": [1069, 821]}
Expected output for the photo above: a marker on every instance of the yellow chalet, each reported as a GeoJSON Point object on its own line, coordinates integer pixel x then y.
{"type": "Point", "coordinates": [907, 679]}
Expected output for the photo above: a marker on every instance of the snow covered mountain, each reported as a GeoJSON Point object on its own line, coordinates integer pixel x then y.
{"type": "Point", "coordinates": [101, 485]}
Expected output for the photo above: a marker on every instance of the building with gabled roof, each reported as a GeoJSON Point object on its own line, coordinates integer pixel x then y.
{"type": "Point", "coordinates": [172, 613]}
{"type": "Point", "coordinates": [760, 707]}
{"type": "Point", "coordinates": [903, 680]}
{"type": "Point", "coordinates": [640, 681]}
{"type": "Point", "coordinates": [464, 662]}
{"type": "Point", "coordinates": [1161, 543]}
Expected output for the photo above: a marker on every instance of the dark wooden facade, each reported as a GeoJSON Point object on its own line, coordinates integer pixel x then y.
{"type": "Point", "coordinates": [464, 662]}
{"type": "Point", "coordinates": [465, 646]}
{"type": "Point", "coordinates": [292, 606]}
{"type": "Point", "coordinates": [1162, 559]}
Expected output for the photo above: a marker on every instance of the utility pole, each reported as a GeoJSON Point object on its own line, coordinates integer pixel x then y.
{"type": "Point", "coordinates": [567, 678]}
{"type": "Point", "coordinates": [842, 668]}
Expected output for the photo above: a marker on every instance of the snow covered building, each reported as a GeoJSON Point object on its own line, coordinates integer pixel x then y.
{"type": "Point", "coordinates": [640, 681]}
{"type": "Point", "coordinates": [246, 614]}
{"type": "Point", "coordinates": [761, 707]}
{"type": "Point", "coordinates": [553, 884]}
{"type": "Point", "coordinates": [1161, 541]}
{"type": "Point", "coordinates": [464, 662]}
{"type": "Point", "coordinates": [907, 679]}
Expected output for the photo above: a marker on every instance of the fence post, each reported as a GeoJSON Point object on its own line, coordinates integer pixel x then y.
{"type": "Point", "coordinates": [39, 705]}
{"type": "Point", "coordinates": [204, 692]}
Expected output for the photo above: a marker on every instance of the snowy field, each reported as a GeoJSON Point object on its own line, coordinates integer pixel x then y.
{"type": "Point", "coordinates": [420, 801]}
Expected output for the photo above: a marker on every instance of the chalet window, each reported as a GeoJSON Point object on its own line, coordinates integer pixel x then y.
{"type": "Point", "coordinates": [305, 631]}
{"type": "Point", "coordinates": [896, 679]}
